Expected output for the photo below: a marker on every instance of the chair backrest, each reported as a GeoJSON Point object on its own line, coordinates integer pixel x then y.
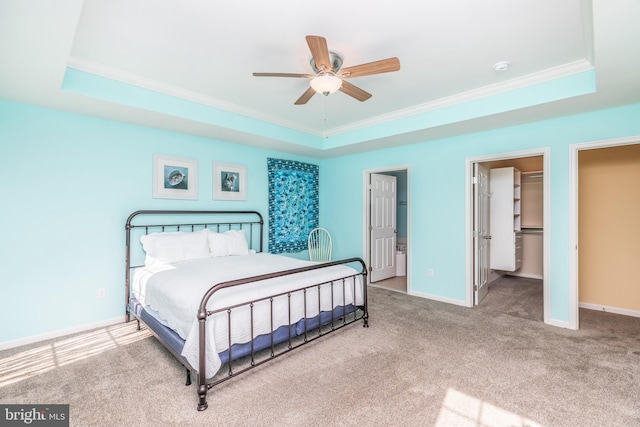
{"type": "Point", "coordinates": [319, 245]}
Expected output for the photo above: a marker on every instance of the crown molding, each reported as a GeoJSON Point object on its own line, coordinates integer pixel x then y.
{"type": "Point", "coordinates": [113, 73]}
{"type": "Point", "coordinates": [117, 74]}
{"type": "Point", "coordinates": [548, 74]}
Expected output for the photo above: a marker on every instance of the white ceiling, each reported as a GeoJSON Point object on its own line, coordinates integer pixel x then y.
{"type": "Point", "coordinates": [206, 51]}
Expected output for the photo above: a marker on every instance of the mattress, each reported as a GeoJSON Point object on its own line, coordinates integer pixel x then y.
{"type": "Point", "coordinates": [280, 335]}
{"type": "Point", "coordinates": [172, 293]}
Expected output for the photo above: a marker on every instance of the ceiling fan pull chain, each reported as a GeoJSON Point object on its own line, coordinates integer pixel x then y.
{"type": "Point", "coordinates": [326, 100]}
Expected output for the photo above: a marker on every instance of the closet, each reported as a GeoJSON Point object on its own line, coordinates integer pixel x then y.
{"type": "Point", "coordinates": [532, 230]}
{"type": "Point", "coordinates": [505, 249]}
{"type": "Point", "coordinates": [516, 217]}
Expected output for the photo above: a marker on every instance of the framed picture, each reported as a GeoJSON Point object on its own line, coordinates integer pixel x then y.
{"type": "Point", "coordinates": [174, 178]}
{"type": "Point", "coordinates": [229, 182]}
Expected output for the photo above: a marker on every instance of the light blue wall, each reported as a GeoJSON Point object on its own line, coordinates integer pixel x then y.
{"type": "Point", "coordinates": [437, 196]}
{"type": "Point", "coordinates": [122, 93]}
{"type": "Point", "coordinates": [68, 184]}
{"type": "Point", "coordinates": [70, 181]}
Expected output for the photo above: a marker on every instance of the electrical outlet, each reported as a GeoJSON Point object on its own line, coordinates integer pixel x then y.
{"type": "Point", "coordinates": [101, 292]}
{"type": "Point", "coordinates": [431, 272]}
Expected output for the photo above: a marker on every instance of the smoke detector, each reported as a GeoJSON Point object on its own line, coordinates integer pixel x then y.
{"type": "Point", "coordinates": [501, 66]}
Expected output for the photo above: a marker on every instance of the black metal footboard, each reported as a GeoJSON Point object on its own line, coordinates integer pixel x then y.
{"type": "Point", "coordinates": [265, 344]}
{"type": "Point", "coordinates": [298, 332]}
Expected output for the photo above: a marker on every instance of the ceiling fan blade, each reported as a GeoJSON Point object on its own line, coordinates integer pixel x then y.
{"type": "Point", "coordinates": [376, 67]}
{"type": "Point", "coordinates": [354, 91]}
{"type": "Point", "coordinates": [320, 52]}
{"type": "Point", "coordinates": [308, 76]}
{"type": "Point", "coordinates": [306, 96]}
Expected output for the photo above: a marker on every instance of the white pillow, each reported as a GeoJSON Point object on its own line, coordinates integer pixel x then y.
{"type": "Point", "coordinates": [168, 248]}
{"type": "Point", "coordinates": [232, 242]}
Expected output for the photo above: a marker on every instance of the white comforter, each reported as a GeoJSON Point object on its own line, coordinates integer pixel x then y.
{"type": "Point", "coordinates": [174, 292]}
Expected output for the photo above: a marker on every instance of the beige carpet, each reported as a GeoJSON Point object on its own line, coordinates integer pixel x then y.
{"type": "Point", "coordinates": [421, 363]}
{"type": "Point", "coordinates": [516, 296]}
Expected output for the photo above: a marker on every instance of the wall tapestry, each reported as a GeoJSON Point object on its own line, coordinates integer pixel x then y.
{"type": "Point", "coordinates": [293, 204]}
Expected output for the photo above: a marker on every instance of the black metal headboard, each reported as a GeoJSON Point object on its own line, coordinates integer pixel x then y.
{"type": "Point", "coordinates": [144, 222]}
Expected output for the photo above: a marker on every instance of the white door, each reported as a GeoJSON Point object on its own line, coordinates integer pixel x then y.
{"type": "Point", "coordinates": [481, 232]}
{"type": "Point", "coordinates": [383, 227]}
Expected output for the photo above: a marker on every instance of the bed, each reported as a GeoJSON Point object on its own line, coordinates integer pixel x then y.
{"type": "Point", "coordinates": [202, 284]}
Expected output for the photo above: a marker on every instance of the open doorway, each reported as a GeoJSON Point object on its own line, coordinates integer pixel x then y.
{"type": "Point", "coordinates": [603, 207]}
{"type": "Point", "coordinates": [510, 252]}
{"type": "Point", "coordinates": [386, 227]}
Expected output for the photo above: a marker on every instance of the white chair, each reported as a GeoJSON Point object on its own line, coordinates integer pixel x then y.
{"type": "Point", "coordinates": [319, 245]}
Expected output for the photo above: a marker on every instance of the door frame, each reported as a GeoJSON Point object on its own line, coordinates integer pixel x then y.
{"type": "Point", "coordinates": [366, 215]}
{"type": "Point", "coordinates": [574, 149]}
{"type": "Point", "coordinates": [546, 223]}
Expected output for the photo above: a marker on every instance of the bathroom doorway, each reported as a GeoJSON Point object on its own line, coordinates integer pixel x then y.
{"type": "Point", "coordinates": [389, 255]}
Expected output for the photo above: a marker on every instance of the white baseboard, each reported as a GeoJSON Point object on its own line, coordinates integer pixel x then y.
{"type": "Point", "coordinates": [438, 298]}
{"type": "Point", "coordinates": [559, 324]}
{"type": "Point", "coordinates": [526, 275]}
{"type": "Point", "coordinates": [615, 310]}
{"type": "Point", "coordinates": [60, 333]}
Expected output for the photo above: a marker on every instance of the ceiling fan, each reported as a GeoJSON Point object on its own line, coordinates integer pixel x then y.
{"type": "Point", "coordinates": [329, 75]}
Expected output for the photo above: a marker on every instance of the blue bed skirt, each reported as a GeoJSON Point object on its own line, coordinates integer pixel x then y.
{"type": "Point", "coordinates": [261, 342]}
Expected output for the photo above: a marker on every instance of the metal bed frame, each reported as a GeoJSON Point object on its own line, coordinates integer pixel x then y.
{"type": "Point", "coordinates": [274, 347]}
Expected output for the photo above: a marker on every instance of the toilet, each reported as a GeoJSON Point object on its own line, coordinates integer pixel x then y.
{"type": "Point", "coordinates": [401, 259]}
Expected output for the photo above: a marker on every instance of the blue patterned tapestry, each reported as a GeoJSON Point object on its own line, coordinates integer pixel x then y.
{"type": "Point", "coordinates": [293, 204]}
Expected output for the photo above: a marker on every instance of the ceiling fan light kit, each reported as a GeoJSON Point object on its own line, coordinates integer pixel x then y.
{"type": "Point", "coordinates": [326, 83]}
{"type": "Point", "coordinates": [328, 78]}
